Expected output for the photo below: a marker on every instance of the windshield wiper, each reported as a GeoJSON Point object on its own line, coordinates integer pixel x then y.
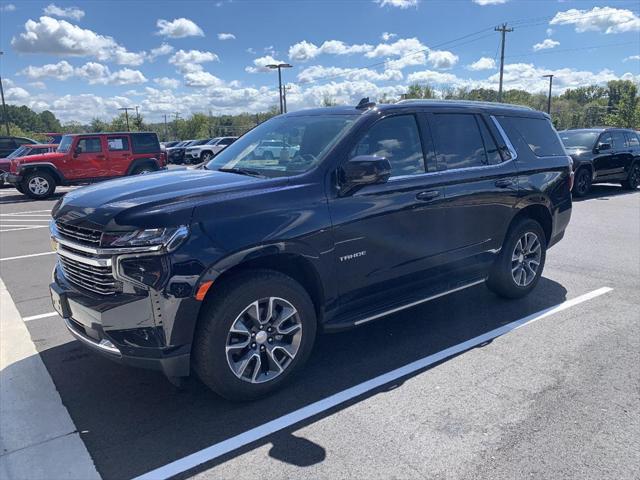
{"type": "Point", "coordinates": [243, 171]}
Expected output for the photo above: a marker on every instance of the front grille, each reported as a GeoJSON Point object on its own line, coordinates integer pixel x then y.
{"type": "Point", "coordinates": [85, 236]}
{"type": "Point", "coordinates": [97, 279]}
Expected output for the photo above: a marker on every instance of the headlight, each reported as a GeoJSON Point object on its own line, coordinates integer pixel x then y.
{"type": "Point", "coordinates": [171, 238]}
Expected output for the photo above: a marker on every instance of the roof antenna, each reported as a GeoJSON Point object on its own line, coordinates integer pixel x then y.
{"type": "Point", "coordinates": [365, 104]}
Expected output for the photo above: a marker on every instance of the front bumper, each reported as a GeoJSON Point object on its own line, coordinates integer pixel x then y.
{"type": "Point", "coordinates": [123, 327]}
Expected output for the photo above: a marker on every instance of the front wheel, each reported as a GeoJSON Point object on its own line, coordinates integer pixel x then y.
{"type": "Point", "coordinates": [582, 182]}
{"type": "Point", "coordinates": [255, 333]}
{"type": "Point", "coordinates": [206, 156]}
{"type": "Point", "coordinates": [38, 185]}
{"type": "Point", "coordinates": [519, 265]}
{"type": "Point", "coordinates": [633, 180]}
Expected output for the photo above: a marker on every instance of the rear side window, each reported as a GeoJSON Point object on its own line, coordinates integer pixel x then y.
{"type": "Point", "coordinates": [618, 140]}
{"type": "Point", "coordinates": [7, 143]}
{"type": "Point", "coordinates": [145, 143]}
{"type": "Point", "coordinates": [538, 133]}
{"type": "Point", "coordinates": [632, 140]}
{"type": "Point", "coordinates": [118, 144]}
{"type": "Point", "coordinates": [463, 141]}
{"type": "Point", "coordinates": [398, 140]}
{"type": "Point", "coordinates": [89, 145]}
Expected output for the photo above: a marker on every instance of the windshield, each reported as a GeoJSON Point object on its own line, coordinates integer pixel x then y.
{"type": "Point", "coordinates": [19, 152]}
{"type": "Point", "coordinates": [65, 144]}
{"type": "Point", "coordinates": [284, 146]}
{"type": "Point", "coordinates": [199, 142]}
{"type": "Point", "coordinates": [213, 141]}
{"type": "Point", "coordinates": [584, 140]}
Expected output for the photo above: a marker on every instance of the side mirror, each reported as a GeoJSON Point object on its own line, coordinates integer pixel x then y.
{"type": "Point", "coordinates": [365, 170]}
{"type": "Point", "coordinates": [603, 147]}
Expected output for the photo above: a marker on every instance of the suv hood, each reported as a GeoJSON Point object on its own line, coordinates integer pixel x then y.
{"type": "Point", "coordinates": [160, 199]}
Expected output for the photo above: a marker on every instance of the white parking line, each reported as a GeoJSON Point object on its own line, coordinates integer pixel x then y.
{"type": "Point", "coordinates": [26, 256]}
{"type": "Point", "coordinates": [38, 317]}
{"type": "Point", "coordinates": [233, 443]}
{"type": "Point", "coordinates": [29, 211]}
{"type": "Point", "coordinates": [22, 227]}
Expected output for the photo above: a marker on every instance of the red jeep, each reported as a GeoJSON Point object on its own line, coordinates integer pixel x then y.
{"type": "Point", "coordinates": [86, 158]}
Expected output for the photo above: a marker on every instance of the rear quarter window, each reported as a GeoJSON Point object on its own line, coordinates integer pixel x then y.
{"type": "Point", "coordinates": [145, 143]}
{"type": "Point", "coordinates": [537, 133]}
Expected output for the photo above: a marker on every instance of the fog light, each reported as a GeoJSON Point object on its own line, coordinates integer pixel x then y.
{"type": "Point", "coordinates": [148, 271]}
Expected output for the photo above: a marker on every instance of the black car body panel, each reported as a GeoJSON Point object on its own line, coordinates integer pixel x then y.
{"type": "Point", "coordinates": [359, 253]}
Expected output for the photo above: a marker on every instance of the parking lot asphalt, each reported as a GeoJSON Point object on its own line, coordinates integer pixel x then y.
{"type": "Point", "coordinates": [557, 398]}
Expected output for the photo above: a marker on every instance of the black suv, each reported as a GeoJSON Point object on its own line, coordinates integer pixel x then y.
{"type": "Point", "coordinates": [231, 269]}
{"type": "Point", "coordinates": [603, 155]}
{"type": "Point", "coordinates": [9, 144]}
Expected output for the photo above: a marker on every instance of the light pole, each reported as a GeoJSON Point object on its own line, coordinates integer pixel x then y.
{"type": "Point", "coordinates": [126, 115]}
{"type": "Point", "coordinates": [279, 67]}
{"type": "Point", "coordinates": [4, 107]}
{"type": "Point", "coordinates": [550, 77]}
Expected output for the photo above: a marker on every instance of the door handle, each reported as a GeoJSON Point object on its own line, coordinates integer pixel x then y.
{"type": "Point", "coordinates": [428, 195]}
{"type": "Point", "coordinates": [504, 182]}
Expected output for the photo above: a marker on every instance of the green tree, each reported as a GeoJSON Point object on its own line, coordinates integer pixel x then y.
{"type": "Point", "coordinates": [623, 104]}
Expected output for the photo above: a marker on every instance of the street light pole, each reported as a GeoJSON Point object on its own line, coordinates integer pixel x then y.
{"type": "Point", "coordinates": [550, 77]}
{"type": "Point", "coordinates": [4, 106]}
{"type": "Point", "coordinates": [279, 67]}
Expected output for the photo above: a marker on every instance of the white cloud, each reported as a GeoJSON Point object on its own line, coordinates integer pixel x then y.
{"type": "Point", "coordinates": [259, 64]}
{"type": "Point", "coordinates": [490, 2]}
{"type": "Point", "coordinates": [442, 59]}
{"type": "Point", "coordinates": [304, 50]}
{"type": "Point", "coordinates": [397, 3]}
{"type": "Point", "coordinates": [412, 52]}
{"type": "Point", "coordinates": [16, 94]}
{"type": "Point", "coordinates": [189, 61]}
{"type": "Point", "coordinates": [483, 63]}
{"type": "Point", "coordinates": [93, 72]}
{"type": "Point", "coordinates": [164, 49]}
{"type": "Point", "coordinates": [549, 32]}
{"type": "Point", "coordinates": [546, 44]}
{"type": "Point", "coordinates": [166, 82]}
{"type": "Point", "coordinates": [69, 12]}
{"type": "Point", "coordinates": [9, 7]}
{"type": "Point", "coordinates": [435, 78]}
{"type": "Point", "coordinates": [60, 71]}
{"type": "Point", "coordinates": [599, 19]}
{"type": "Point", "coordinates": [178, 28]}
{"type": "Point", "coordinates": [59, 37]}
{"type": "Point", "coordinates": [38, 85]}
{"type": "Point", "coordinates": [386, 36]}
{"type": "Point", "coordinates": [318, 72]}
{"type": "Point", "coordinates": [226, 36]}
{"type": "Point", "coordinates": [202, 79]}
{"type": "Point", "coordinates": [632, 57]}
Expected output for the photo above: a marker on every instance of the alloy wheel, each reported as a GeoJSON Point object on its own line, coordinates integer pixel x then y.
{"type": "Point", "coordinates": [38, 185]}
{"type": "Point", "coordinates": [206, 157]}
{"type": "Point", "coordinates": [263, 340]}
{"type": "Point", "coordinates": [582, 183]}
{"type": "Point", "coordinates": [634, 176]}
{"type": "Point", "coordinates": [525, 259]}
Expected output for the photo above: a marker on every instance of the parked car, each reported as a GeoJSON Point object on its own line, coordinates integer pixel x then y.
{"type": "Point", "coordinates": [23, 151]}
{"type": "Point", "coordinates": [270, 149]}
{"type": "Point", "coordinates": [170, 144]}
{"type": "Point", "coordinates": [86, 158]}
{"type": "Point", "coordinates": [9, 144]}
{"type": "Point", "coordinates": [603, 155]}
{"type": "Point", "coordinates": [230, 270]}
{"type": "Point", "coordinates": [176, 154]}
{"type": "Point", "coordinates": [206, 151]}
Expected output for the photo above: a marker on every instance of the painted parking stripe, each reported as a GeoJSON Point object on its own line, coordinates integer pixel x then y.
{"type": "Point", "coordinates": [233, 443]}
{"type": "Point", "coordinates": [38, 317]}
{"type": "Point", "coordinates": [22, 227]}
{"type": "Point", "coordinates": [26, 256]}
{"type": "Point", "coordinates": [29, 211]}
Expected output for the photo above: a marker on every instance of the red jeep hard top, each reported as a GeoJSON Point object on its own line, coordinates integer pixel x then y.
{"type": "Point", "coordinates": [86, 158]}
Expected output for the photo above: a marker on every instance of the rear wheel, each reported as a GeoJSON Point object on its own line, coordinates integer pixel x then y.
{"type": "Point", "coordinates": [633, 180]}
{"type": "Point", "coordinates": [254, 335]}
{"type": "Point", "coordinates": [206, 156]}
{"type": "Point", "coordinates": [38, 185]}
{"type": "Point", "coordinates": [519, 265]}
{"type": "Point", "coordinates": [582, 183]}
{"type": "Point", "coordinates": [144, 169]}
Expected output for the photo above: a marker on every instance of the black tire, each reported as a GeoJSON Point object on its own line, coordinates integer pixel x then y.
{"type": "Point", "coordinates": [206, 156]}
{"type": "Point", "coordinates": [38, 185]}
{"type": "Point", "coordinates": [143, 170]}
{"type": "Point", "coordinates": [501, 279]}
{"type": "Point", "coordinates": [582, 182]}
{"type": "Point", "coordinates": [220, 313]}
{"type": "Point", "coordinates": [633, 179]}
{"type": "Point", "coordinates": [19, 188]}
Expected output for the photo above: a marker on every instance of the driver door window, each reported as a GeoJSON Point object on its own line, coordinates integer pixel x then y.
{"type": "Point", "coordinates": [397, 139]}
{"type": "Point", "coordinates": [89, 145]}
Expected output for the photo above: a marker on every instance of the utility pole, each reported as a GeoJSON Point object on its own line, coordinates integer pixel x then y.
{"type": "Point", "coordinates": [210, 132]}
{"type": "Point", "coordinates": [4, 106]}
{"type": "Point", "coordinates": [279, 67]}
{"type": "Point", "coordinates": [126, 115]}
{"type": "Point", "coordinates": [138, 125]}
{"type": "Point", "coordinates": [284, 97]}
{"type": "Point", "coordinates": [177, 114]}
{"type": "Point", "coordinates": [503, 30]}
{"type": "Point", "coordinates": [166, 131]}
{"type": "Point", "coordinates": [550, 77]}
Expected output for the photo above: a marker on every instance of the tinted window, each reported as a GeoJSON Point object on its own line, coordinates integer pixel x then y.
{"type": "Point", "coordinates": [37, 151]}
{"type": "Point", "coordinates": [90, 145]}
{"type": "Point", "coordinates": [490, 147]}
{"type": "Point", "coordinates": [577, 139]}
{"type": "Point", "coordinates": [118, 144]}
{"type": "Point", "coordinates": [632, 140]}
{"type": "Point", "coordinates": [538, 133]}
{"type": "Point", "coordinates": [619, 141]}
{"type": "Point", "coordinates": [458, 140]}
{"type": "Point", "coordinates": [398, 140]}
{"type": "Point", "coordinates": [605, 138]}
{"type": "Point", "coordinates": [7, 143]}
{"type": "Point", "coordinates": [145, 143]}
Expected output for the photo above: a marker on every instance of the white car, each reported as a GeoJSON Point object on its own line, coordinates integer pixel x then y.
{"type": "Point", "coordinates": [270, 149]}
{"type": "Point", "coordinates": [206, 151]}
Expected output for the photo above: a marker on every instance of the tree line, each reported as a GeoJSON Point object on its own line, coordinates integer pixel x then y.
{"type": "Point", "coordinates": [617, 105]}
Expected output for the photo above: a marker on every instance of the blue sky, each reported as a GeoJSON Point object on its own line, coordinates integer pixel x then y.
{"type": "Point", "coordinates": [85, 59]}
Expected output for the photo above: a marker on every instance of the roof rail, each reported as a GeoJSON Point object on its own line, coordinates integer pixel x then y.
{"type": "Point", "coordinates": [466, 102]}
